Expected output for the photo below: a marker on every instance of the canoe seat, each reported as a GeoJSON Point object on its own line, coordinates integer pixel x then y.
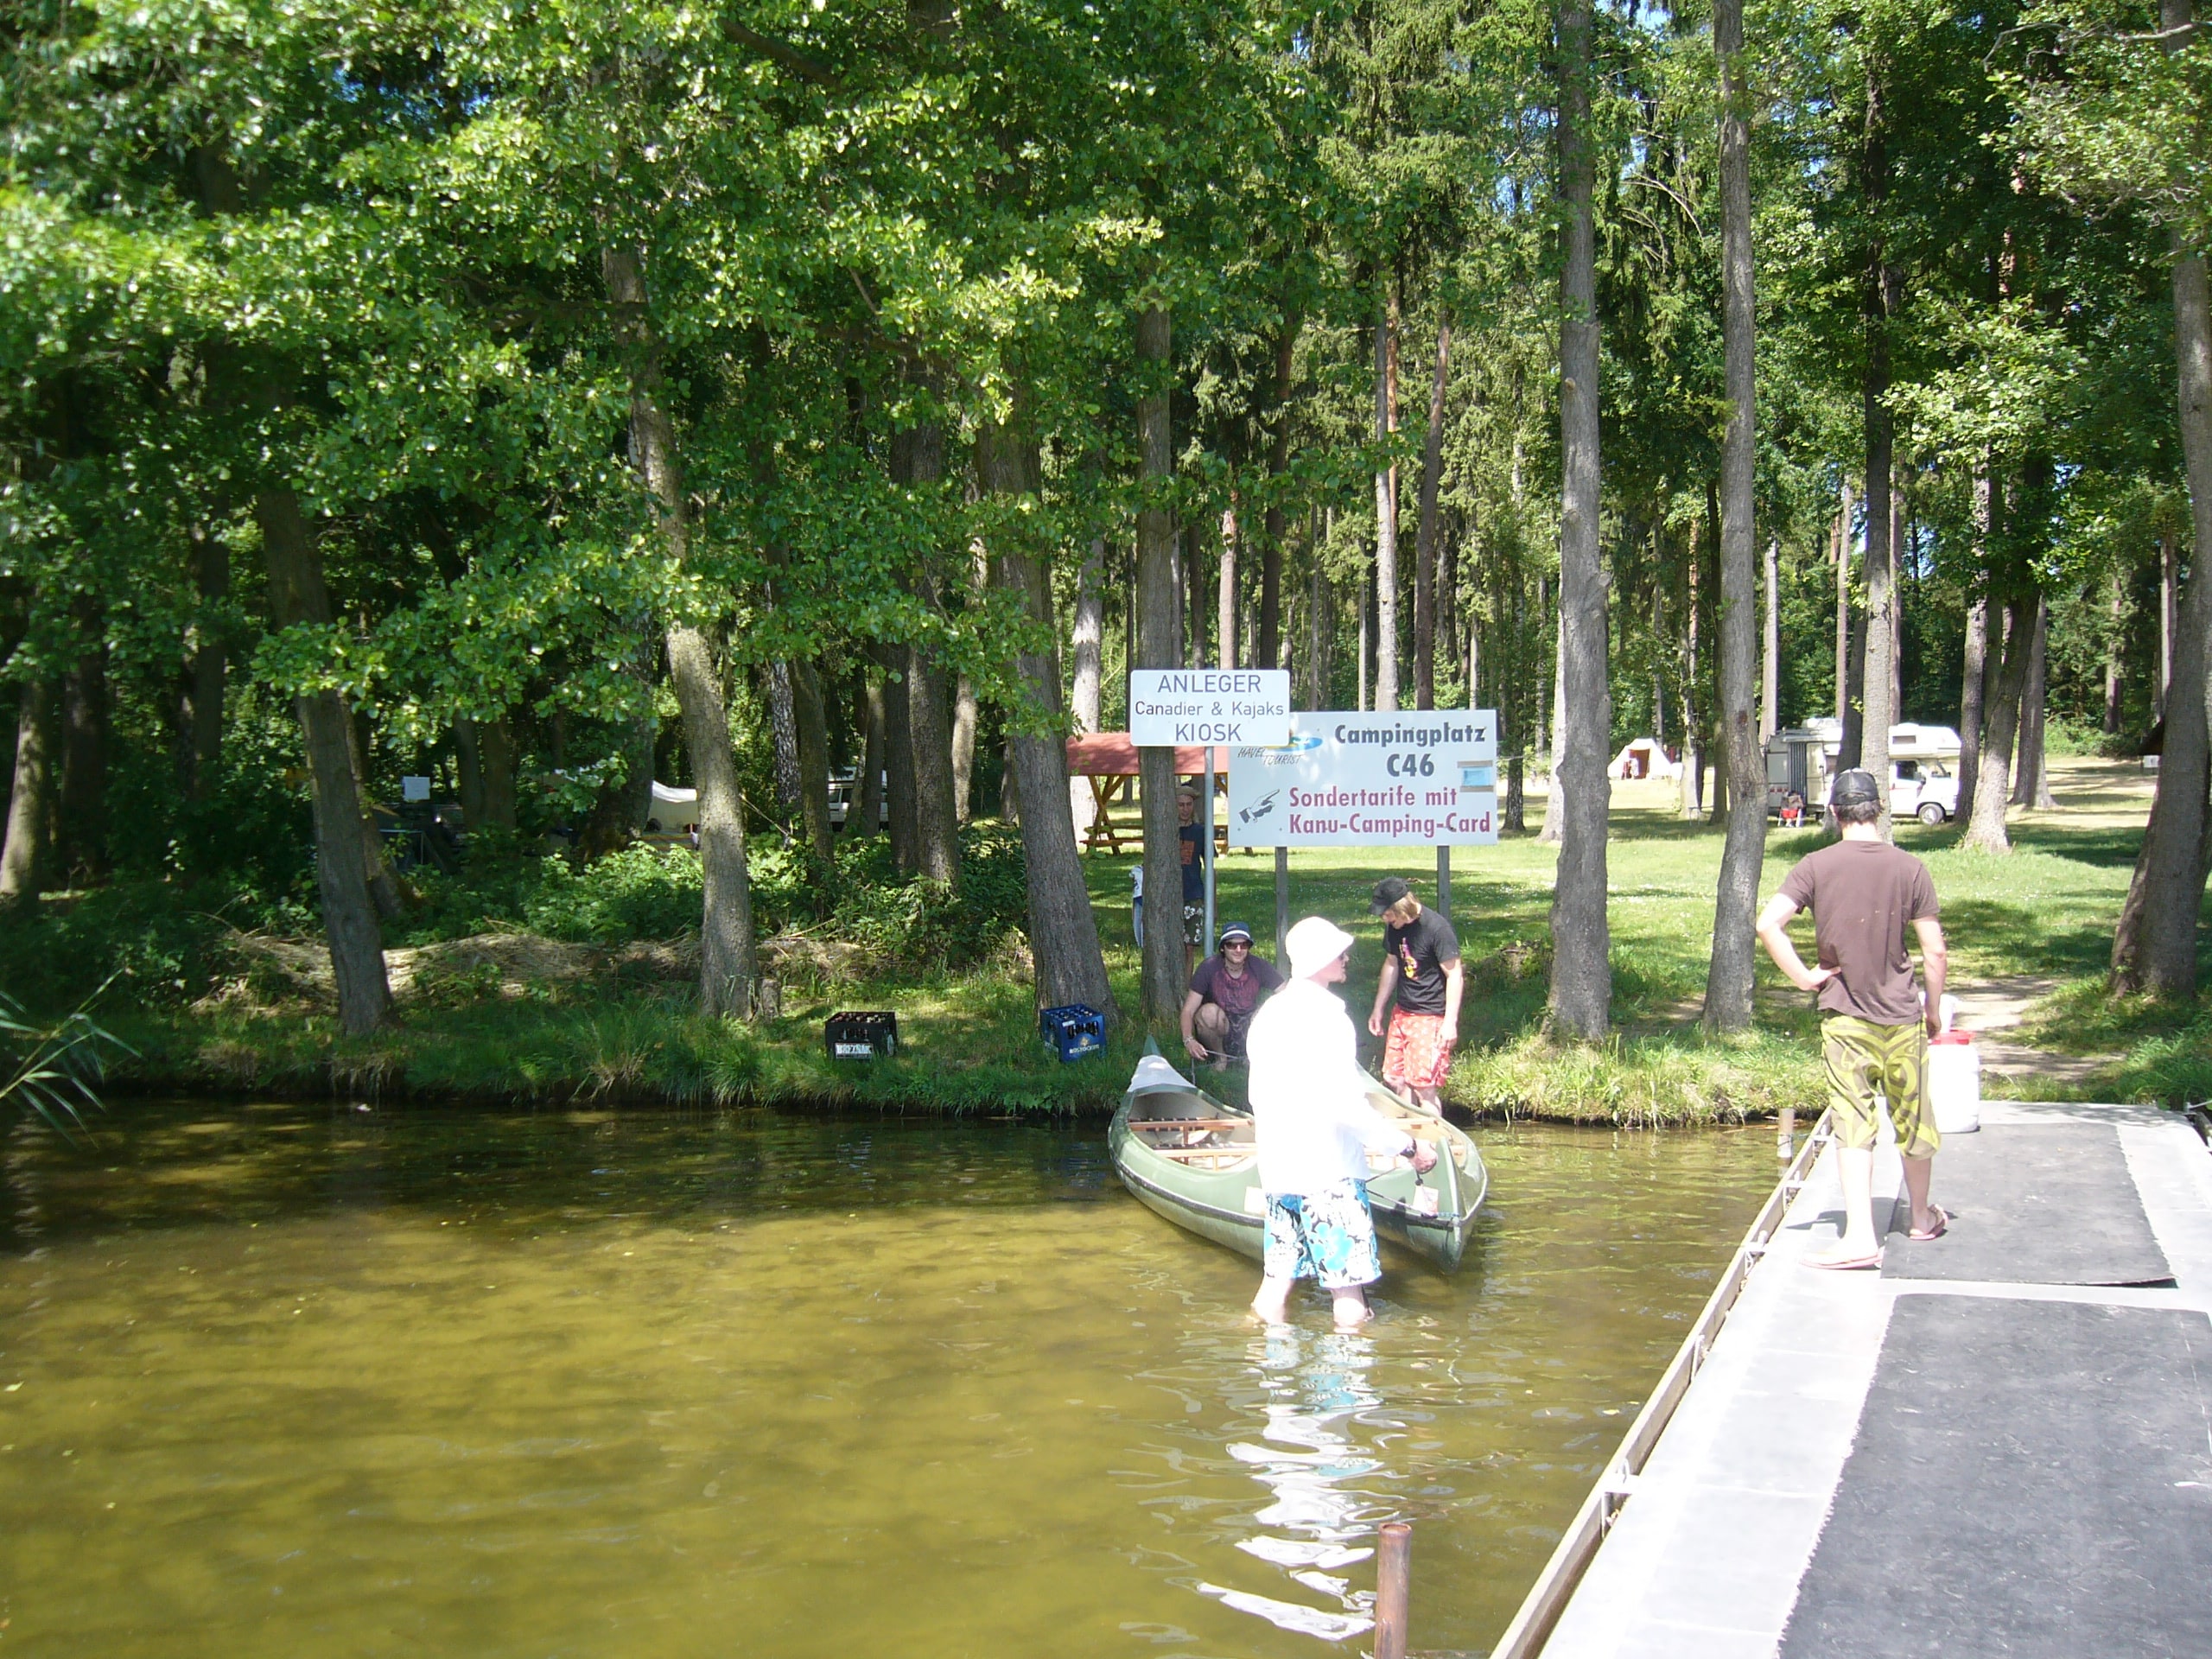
{"type": "Point", "coordinates": [1231, 1154]}
{"type": "Point", "coordinates": [1191, 1123]}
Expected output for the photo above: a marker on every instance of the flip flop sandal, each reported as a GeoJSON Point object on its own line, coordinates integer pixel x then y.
{"type": "Point", "coordinates": [1943, 1225]}
{"type": "Point", "coordinates": [1849, 1264]}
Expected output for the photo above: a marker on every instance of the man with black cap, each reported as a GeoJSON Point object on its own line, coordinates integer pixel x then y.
{"type": "Point", "coordinates": [1865, 894]}
{"type": "Point", "coordinates": [1418, 994]}
{"type": "Point", "coordinates": [1225, 994]}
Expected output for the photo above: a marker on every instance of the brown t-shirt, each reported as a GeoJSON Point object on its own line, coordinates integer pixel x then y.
{"type": "Point", "coordinates": [1865, 895]}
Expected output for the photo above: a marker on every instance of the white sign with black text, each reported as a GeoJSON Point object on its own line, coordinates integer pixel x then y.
{"type": "Point", "coordinates": [1169, 706]}
{"type": "Point", "coordinates": [1424, 778]}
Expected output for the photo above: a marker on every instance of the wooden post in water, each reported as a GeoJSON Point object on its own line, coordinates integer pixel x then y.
{"type": "Point", "coordinates": [1785, 1140]}
{"type": "Point", "coordinates": [1393, 1589]}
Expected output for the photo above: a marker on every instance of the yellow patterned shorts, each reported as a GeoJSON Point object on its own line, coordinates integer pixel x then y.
{"type": "Point", "coordinates": [1863, 1059]}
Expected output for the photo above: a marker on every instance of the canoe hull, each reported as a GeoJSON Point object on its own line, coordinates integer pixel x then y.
{"type": "Point", "coordinates": [1225, 1206]}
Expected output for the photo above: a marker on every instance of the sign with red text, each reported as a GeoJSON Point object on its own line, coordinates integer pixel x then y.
{"type": "Point", "coordinates": [1425, 779]}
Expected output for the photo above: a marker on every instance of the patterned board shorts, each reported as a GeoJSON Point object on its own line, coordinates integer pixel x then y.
{"type": "Point", "coordinates": [1417, 1054]}
{"type": "Point", "coordinates": [1194, 924]}
{"type": "Point", "coordinates": [1328, 1235]}
{"type": "Point", "coordinates": [1864, 1059]}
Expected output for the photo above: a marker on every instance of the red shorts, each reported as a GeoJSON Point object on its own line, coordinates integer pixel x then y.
{"type": "Point", "coordinates": [1418, 1052]}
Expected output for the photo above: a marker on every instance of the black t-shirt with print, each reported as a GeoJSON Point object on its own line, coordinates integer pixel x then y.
{"type": "Point", "coordinates": [1421, 948]}
{"type": "Point", "coordinates": [1190, 843]}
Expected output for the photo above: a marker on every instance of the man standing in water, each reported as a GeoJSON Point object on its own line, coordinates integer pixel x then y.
{"type": "Point", "coordinates": [1314, 1126]}
{"type": "Point", "coordinates": [1863, 893]}
{"type": "Point", "coordinates": [1418, 994]}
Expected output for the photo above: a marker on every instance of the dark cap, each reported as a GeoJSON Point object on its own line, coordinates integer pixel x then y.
{"type": "Point", "coordinates": [1854, 788]}
{"type": "Point", "coordinates": [1387, 892]}
{"type": "Point", "coordinates": [1234, 930]}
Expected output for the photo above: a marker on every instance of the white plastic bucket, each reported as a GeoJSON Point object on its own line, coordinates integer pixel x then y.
{"type": "Point", "coordinates": [1954, 1082]}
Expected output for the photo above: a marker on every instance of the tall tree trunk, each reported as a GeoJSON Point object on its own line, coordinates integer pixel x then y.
{"type": "Point", "coordinates": [811, 722]}
{"type": "Point", "coordinates": [1319, 671]}
{"type": "Point", "coordinates": [1386, 505]}
{"type": "Point", "coordinates": [918, 459]}
{"type": "Point", "coordinates": [1368, 580]}
{"type": "Point", "coordinates": [727, 965]}
{"type": "Point", "coordinates": [296, 594]}
{"type": "Point", "coordinates": [870, 806]}
{"type": "Point", "coordinates": [495, 754]}
{"type": "Point", "coordinates": [1693, 727]}
{"type": "Point", "coordinates": [1425, 537]}
{"type": "Point", "coordinates": [1225, 604]}
{"type": "Point", "coordinates": [468, 768]}
{"type": "Point", "coordinates": [1986, 831]}
{"type": "Point", "coordinates": [84, 747]}
{"type": "Point", "coordinates": [2169, 587]}
{"type": "Point", "coordinates": [1771, 646]}
{"type": "Point", "coordinates": [937, 816]}
{"type": "Point", "coordinates": [1089, 637]}
{"type": "Point", "coordinates": [1158, 644]}
{"type": "Point", "coordinates": [2174, 868]}
{"type": "Point", "coordinates": [965, 713]}
{"type": "Point", "coordinates": [1728, 974]}
{"type": "Point", "coordinates": [1062, 929]}
{"type": "Point", "coordinates": [1516, 700]}
{"type": "Point", "coordinates": [1973, 689]}
{"type": "Point", "coordinates": [899, 755]}
{"type": "Point", "coordinates": [1447, 603]}
{"type": "Point", "coordinates": [1198, 608]}
{"type": "Point", "coordinates": [1877, 298]}
{"type": "Point", "coordinates": [1268, 654]}
{"type": "Point", "coordinates": [206, 672]}
{"type": "Point", "coordinates": [1554, 798]}
{"type": "Point", "coordinates": [1582, 978]}
{"type": "Point", "coordinates": [1089, 642]}
{"type": "Point", "coordinates": [1843, 697]}
{"type": "Point", "coordinates": [384, 887]}
{"type": "Point", "coordinates": [30, 802]}
{"type": "Point", "coordinates": [2031, 779]}
{"type": "Point", "coordinates": [2114, 644]}
{"type": "Point", "coordinates": [783, 731]}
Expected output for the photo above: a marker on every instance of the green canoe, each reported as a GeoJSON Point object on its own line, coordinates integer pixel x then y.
{"type": "Point", "coordinates": [1188, 1157]}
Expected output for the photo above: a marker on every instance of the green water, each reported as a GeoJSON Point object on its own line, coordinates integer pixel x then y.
{"type": "Point", "coordinates": [286, 1380]}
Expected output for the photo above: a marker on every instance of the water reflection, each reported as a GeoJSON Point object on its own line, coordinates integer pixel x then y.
{"type": "Point", "coordinates": [1315, 1400]}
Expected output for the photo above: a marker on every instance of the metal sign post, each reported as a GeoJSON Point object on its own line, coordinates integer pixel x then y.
{"type": "Point", "coordinates": [1206, 818]}
{"type": "Point", "coordinates": [1283, 908]}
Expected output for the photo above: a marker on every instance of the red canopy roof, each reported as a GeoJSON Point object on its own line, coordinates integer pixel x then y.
{"type": "Point", "coordinates": [1110, 754]}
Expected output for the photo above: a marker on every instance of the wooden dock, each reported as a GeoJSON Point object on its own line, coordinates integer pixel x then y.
{"type": "Point", "coordinates": [2000, 1444]}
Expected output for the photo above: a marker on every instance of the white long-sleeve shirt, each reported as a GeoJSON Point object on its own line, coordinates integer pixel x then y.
{"type": "Point", "coordinates": [1310, 1111]}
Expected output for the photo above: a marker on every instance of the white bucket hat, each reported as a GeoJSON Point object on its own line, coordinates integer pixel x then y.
{"type": "Point", "coordinates": [1314, 944]}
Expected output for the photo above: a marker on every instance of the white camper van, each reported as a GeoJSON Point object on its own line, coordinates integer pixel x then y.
{"type": "Point", "coordinates": [1923, 763]}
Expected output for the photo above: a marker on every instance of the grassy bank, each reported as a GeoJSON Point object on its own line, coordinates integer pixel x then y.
{"type": "Point", "coordinates": [525, 1020]}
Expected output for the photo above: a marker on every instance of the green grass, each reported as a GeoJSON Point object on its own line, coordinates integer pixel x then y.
{"type": "Point", "coordinates": [969, 1044]}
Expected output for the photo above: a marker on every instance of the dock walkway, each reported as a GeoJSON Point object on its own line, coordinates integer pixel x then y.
{"type": "Point", "coordinates": [2001, 1443]}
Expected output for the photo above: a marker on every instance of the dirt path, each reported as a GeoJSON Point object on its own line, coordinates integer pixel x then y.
{"type": "Point", "coordinates": [1990, 1008]}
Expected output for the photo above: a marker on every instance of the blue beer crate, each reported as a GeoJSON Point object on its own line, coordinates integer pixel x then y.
{"type": "Point", "coordinates": [1076, 1030]}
